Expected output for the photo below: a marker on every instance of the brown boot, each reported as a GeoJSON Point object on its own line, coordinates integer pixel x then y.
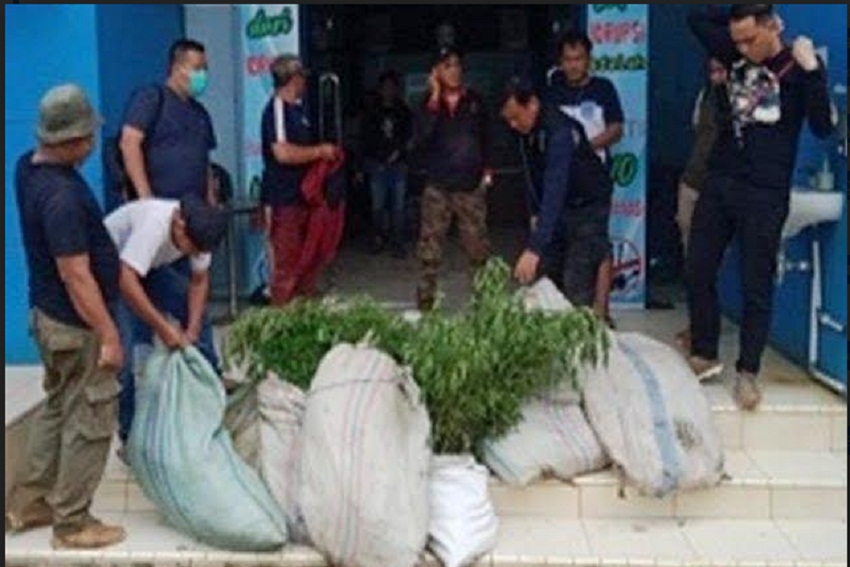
{"type": "Point", "coordinates": [37, 515]}
{"type": "Point", "coordinates": [90, 536]}
{"type": "Point", "coordinates": [747, 393]}
{"type": "Point", "coordinates": [705, 369]}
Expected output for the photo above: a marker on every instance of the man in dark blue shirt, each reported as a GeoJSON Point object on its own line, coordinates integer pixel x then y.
{"type": "Point", "coordinates": [772, 89]}
{"type": "Point", "coordinates": [167, 134]}
{"type": "Point", "coordinates": [165, 143]}
{"type": "Point", "coordinates": [570, 202]}
{"type": "Point", "coordinates": [593, 102]}
{"type": "Point", "coordinates": [73, 283]}
{"type": "Point", "coordinates": [288, 150]}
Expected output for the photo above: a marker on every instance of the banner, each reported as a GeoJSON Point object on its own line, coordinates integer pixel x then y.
{"type": "Point", "coordinates": [265, 31]}
{"type": "Point", "coordinates": [620, 36]}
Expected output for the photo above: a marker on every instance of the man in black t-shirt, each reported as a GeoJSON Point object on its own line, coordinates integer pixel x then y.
{"type": "Point", "coordinates": [73, 282]}
{"type": "Point", "coordinates": [773, 88]}
{"type": "Point", "coordinates": [593, 102]}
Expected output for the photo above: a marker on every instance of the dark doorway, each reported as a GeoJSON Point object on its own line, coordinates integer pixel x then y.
{"type": "Point", "coordinates": [358, 42]}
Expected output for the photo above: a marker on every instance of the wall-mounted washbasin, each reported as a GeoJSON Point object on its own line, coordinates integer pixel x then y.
{"type": "Point", "coordinates": [812, 207]}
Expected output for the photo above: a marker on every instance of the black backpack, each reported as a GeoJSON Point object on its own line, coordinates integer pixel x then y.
{"type": "Point", "coordinates": [120, 187]}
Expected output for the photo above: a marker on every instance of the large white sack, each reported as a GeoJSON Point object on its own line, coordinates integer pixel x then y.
{"type": "Point", "coordinates": [553, 439]}
{"type": "Point", "coordinates": [544, 295]}
{"type": "Point", "coordinates": [464, 525]}
{"type": "Point", "coordinates": [265, 422]}
{"type": "Point", "coordinates": [365, 461]}
{"type": "Point", "coordinates": [652, 417]}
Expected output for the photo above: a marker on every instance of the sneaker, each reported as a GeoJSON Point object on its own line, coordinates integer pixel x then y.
{"type": "Point", "coordinates": [683, 340]}
{"type": "Point", "coordinates": [746, 391]}
{"type": "Point", "coordinates": [38, 515]}
{"type": "Point", "coordinates": [609, 322]}
{"type": "Point", "coordinates": [705, 369]}
{"type": "Point", "coordinates": [91, 536]}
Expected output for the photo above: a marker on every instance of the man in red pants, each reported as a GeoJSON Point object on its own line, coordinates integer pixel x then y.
{"type": "Point", "coordinates": [288, 151]}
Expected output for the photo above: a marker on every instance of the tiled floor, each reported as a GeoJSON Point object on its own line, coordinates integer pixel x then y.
{"type": "Point", "coordinates": [525, 542]}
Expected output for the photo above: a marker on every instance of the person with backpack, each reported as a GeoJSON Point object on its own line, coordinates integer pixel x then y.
{"type": "Point", "coordinates": [569, 197]}
{"type": "Point", "coordinates": [164, 152]}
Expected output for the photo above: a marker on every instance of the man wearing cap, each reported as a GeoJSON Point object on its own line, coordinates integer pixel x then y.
{"type": "Point", "coordinates": [151, 234]}
{"type": "Point", "coordinates": [570, 197]}
{"type": "Point", "coordinates": [166, 141]}
{"type": "Point", "coordinates": [288, 150]}
{"type": "Point", "coordinates": [73, 283]}
{"type": "Point", "coordinates": [452, 134]}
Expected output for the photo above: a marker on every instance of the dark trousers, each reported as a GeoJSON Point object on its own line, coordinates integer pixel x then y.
{"type": "Point", "coordinates": [755, 215]}
{"type": "Point", "coordinates": [579, 246]}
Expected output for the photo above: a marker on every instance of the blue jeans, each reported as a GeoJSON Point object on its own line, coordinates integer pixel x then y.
{"type": "Point", "coordinates": [388, 183]}
{"type": "Point", "coordinates": [168, 289]}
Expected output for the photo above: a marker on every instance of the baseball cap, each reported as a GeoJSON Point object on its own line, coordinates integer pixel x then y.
{"type": "Point", "coordinates": [64, 114]}
{"type": "Point", "coordinates": [444, 52]}
{"type": "Point", "coordinates": [287, 66]}
{"type": "Point", "coordinates": [206, 225]}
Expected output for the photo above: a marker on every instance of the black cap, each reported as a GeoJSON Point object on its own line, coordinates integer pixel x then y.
{"type": "Point", "coordinates": [444, 53]}
{"type": "Point", "coordinates": [206, 225]}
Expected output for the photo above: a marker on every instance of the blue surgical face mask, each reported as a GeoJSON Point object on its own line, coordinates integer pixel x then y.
{"type": "Point", "coordinates": [197, 82]}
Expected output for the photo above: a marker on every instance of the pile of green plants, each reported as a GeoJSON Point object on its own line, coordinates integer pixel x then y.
{"type": "Point", "coordinates": [476, 369]}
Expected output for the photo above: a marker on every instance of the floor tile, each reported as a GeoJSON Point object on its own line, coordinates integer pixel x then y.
{"type": "Point", "coordinates": [540, 537]}
{"type": "Point", "coordinates": [816, 541]}
{"type": "Point", "coordinates": [639, 539]}
{"type": "Point", "coordinates": [738, 541]}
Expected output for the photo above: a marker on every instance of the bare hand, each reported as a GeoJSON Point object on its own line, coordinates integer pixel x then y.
{"type": "Point", "coordinates": [328, 152]}
{"type": "Point", "coordinates": [174, 338]}
{"type": "Point", "coordinates": [526, 267]}
{"type": "Point", "coordinates": [434, 85]}
{"type": "Point", "coordinates": [111, 354]}
{"type": "Point", "coordinates": [487, 179]}
{"type": "Point", "coordinates": [193, 334]}
{"type": "Point", "coordinates": [804, 53]}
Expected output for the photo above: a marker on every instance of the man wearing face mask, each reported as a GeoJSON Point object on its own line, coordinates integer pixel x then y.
{"type": "Point", "coordinates": [166, 141]}
{"type": "Point", "coordinates": [167, 134]}
{"type": "Point", "coordinates": [772, 89]}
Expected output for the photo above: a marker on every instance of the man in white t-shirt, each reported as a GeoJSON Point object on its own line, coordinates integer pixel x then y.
{"type": "Point", "coordinates": [151, 235]}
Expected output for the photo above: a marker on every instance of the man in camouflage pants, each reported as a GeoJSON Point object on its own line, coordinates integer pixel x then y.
{"type": "Point", "coordinates": [452, 135]}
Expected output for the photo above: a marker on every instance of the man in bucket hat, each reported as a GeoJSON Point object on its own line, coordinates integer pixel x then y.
{"type": "Point", "coordinates": [73, 284]}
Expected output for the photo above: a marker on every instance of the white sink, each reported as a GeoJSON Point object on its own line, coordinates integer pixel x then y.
{"type": "Point", "coordinates": [810, 208]}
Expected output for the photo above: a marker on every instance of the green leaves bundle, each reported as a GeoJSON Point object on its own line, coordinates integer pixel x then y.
{"type": "Point", "coordinates": [476, 370]}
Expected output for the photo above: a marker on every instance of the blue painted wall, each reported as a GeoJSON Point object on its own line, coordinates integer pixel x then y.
{"type": "Point", "coordinates": [45, 46]}
{"type": "Point", "coordinates": [827, 25]}
{"type": "Point", "coordinates": [133, 41]}
{"type": "Point", "coordinates": [105, 49]}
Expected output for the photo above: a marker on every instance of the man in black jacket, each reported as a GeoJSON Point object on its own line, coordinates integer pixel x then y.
{"type": "Point", "coordinates": [569, 198]}
{"type": "Point", "coordinates": [452, 136]}
{"type": "Point", "coordinates": [772, 89]}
